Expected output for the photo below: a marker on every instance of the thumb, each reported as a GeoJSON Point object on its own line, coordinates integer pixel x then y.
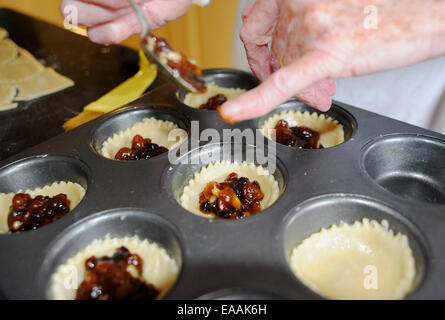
{"type": "Point", "coordinates": [279, 87]}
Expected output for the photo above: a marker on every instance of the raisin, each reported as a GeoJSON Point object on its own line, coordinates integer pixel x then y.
{"type": "Point", "coordinates": [21, 201]}
{"type": "Point", "coordinates": [140, 149]}
{"type": "Point", "coordinates": [232, 178]}
{"type": "Point", "coordinates": [38, 206]}
{"type": "Point", "coordinates": [30, 214]}
{"type": "Point", "coordinates": [138, 143]}
{"type": "Point", "coordinates": [285, 136]}
{"type": "Point", "coordinates": [252, 194]}
{"type": "Point", "coordinates": [281, 124]}
{"type": "Point", "coordinates": [235, 198]}
{"type": "Point", "coordinates": [306, 138]}
{"type": "Point", "coordinates": [299, 137]}
{"type": "Point", "coordinates": [124, 154]}
{"type": "Point", "coordinates": [238, 187]}
{"type": "Point", "coordinates": [109, 278]}
{"type": "Point", "coordinates": [214, 102]}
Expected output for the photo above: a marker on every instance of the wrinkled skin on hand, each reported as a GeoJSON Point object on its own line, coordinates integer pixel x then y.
{"type": "Point", "coordinates": [112, 21]}
{"type": "Point", "coordinates": [314, 41]}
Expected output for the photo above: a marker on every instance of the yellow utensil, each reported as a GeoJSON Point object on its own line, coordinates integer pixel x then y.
{"type": "Point", "coordinates": [128, 90]}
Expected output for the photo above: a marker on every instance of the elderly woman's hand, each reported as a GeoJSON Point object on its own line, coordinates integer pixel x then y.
{"type": "Point", "coordinates": [111, 21]}
{"type": "Point", "coordinates": [314, 41]}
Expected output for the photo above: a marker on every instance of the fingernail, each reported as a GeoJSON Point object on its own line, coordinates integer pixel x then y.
{"type": "Point", "coordinates": [231, 109]}
{"type": "Point", "coordinates": [201, 3]}
{"type": "Point", "coordinates": [92, 34]}
{"type": "Point", "coordinates": [325, 106]}
{"type": "Point", "coordinates": [95, 35]}
{"type": "Point", "coordinates": [227, 117]}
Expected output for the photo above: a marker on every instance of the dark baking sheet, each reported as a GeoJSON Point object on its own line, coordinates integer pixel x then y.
{"type": "Point", "coordinates": [95, 70]}
{"type": "Point", "coordinates": [226, 259]}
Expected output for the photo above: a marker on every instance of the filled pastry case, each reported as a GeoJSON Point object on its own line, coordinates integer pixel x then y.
{"type": "Point", "coordinates": [360, 217]}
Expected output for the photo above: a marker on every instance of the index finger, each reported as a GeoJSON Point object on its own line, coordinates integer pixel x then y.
{"type": "Point", "coordinates": [279, 87]}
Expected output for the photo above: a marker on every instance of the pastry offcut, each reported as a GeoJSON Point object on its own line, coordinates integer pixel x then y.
{"type": "Point", "coordinates": [364, 260]}
{"type": "Point", "coordinates": [218, 171]}
{"type": "Point", "coordinates": [7, 93]}
{"type": "Point", "coordinates": [159, 269]}
{"type": "Point", "coordinates": [331, 131]}
{"type": "Point", "coordinates": [3, 33]}
{"type": "Point", "coordinates": [46, 82]}
{"type": "Point", "coordinates": [74, 191]}
{"type": "Point", "coordinates": [23, 75]}
{"type": "Point", "coordinates": [156, 130]}
{"type": "Point", "coordinates": [195, 100]}
{"type": "Point", "coordinates": [20, 69]}
{"type": "Point", "coordinates": [9, 51]}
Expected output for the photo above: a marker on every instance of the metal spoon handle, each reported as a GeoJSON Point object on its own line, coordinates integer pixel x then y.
{"type": "Point", "coordinates": [145, 25]}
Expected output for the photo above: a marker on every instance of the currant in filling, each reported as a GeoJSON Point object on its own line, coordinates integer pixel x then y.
{"type": "Point", "coordinates": [115, 278]}
{"type": "Point", "coordinates": [235, 198]}
{"type": "Point", "coordinates": [29, 213]}
{"type": "Point", "coordinates": [298, 137]}
{"type": "Point", "coordinates": [214, 102]}
{"type": "Point", "coordinates": [140, 149]}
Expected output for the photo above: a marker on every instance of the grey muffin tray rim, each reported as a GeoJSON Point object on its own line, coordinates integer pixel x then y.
{"type": "Point", "coordinates": [226, 259]}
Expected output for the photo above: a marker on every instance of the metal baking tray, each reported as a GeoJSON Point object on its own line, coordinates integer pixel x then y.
{"type": "Point", "coordinates": [385, 169]}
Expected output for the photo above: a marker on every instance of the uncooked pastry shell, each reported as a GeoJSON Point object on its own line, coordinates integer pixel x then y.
{"type": "Point", "coordinates": [219, 171]}
{"type": "Point", "coordinates": [74, 192]}
{"type": "Point", "coordinates": [159, 269]}
{"type": "Point", "coordinates": [336, 262]}
{"type": "Point", "coordinates": [330, 130]}
{"type": "Point", "coordinates": [156, 130]}
{"type": "Point", "coordinates": [194, 100]}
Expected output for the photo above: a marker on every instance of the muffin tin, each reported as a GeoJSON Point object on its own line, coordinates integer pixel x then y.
{"type": "Point", "coordinates": [385, 169]}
